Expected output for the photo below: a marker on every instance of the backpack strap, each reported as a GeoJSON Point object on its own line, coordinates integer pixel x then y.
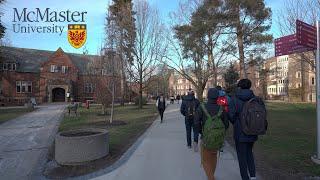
{"type": "Point", "coordinates": [204, 109]}
{"type": "Point", "coordinates": [207, 113]}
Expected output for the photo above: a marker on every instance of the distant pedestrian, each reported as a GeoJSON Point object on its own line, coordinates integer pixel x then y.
{"type": "Point", "coordinates": [208, 119]}
{"type": "Point", "coordinates": [161, 104]}
{"type": "Point", "coordinates": [244, 109]}
{"type": "Point", "coordinates": [188, 110]}
{"type": "Point", "coordinates": [178, 98]}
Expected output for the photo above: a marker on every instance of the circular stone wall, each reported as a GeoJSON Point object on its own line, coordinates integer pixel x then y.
{"type": "Point", "coordinates": [78, 146]}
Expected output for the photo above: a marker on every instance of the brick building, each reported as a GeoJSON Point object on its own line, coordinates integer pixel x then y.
{"type": "Point", "coordinates": [48, 76]}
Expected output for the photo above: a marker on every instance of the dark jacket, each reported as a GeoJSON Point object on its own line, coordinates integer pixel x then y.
{"type": "Point", "coordinates": [211, 106]}
{"type": "Point", "coordinates": [161, 105]}
{"type": "Point", "coordinates": [183, 108]}
{"type": "Point", "coordinates": [235, 107]}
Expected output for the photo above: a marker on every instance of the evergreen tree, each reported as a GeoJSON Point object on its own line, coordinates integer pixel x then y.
{"type": "Point", "coordinates": [231, 77]}
{"type": "Point", "coordinates": [201, 44]}
{"type": "Point", "coordinates": [121, 18]}
{"type": "Point", "coordinates": [249, 20]}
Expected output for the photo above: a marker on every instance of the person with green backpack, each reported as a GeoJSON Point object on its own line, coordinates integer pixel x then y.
{"type": "Point", "coordinates": [208, 119]}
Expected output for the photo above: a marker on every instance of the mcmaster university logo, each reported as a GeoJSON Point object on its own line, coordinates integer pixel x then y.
{"type": "Point", "coordinates": [77, 34]}
{"type": "Point", "coordinates": [47, 21]}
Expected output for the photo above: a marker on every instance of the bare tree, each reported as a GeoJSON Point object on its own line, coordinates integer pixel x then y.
{"type": "Point", "coordinates": [149, 48]}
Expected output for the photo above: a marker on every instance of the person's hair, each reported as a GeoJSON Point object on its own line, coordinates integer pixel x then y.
{"type": "Point", "coordinates": [244, 84]}
{"type": "Point", "coordinates": [219, 88]}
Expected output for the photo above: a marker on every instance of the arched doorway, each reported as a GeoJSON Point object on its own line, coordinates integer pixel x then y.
{"type": "Point", "coordinates": [58, 95]}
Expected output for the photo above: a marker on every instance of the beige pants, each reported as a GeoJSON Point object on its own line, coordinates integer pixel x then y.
{"type": "Point", "coordinates": [209, 161]}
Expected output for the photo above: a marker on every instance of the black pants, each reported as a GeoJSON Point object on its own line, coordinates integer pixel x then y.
{"type": "Point", "coordinates": [161, 111]}
{"type": "Point", "coordinates": [246, 159]}
{"type": "Point", "coordinates": [189, 127]}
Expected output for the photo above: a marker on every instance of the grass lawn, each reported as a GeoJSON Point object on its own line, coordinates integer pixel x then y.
{"type": "Point", "coordinates": [290, 140]}
{"type": "Point", "coordinates": [8, 114]}
{"type": "Point", "coordinates": [129, 123]}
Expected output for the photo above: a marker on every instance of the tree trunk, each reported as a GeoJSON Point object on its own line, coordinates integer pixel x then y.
{"type": "Point", "coordinates": [200, 94]}
{"type": "Point", "coordinates": [241, 47]}
{"type": "Point", "coordinates": [112, 103]}
{"type": "Point", "coordinates": [140, 90]}
{"type": "Point", "coordinates": [302, 81]}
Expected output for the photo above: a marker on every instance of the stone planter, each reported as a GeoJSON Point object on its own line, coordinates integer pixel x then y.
{"type": "Point", "coordinates": [79, 146]}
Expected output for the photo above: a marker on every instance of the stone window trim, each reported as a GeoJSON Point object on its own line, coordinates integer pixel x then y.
{"type": "Point", "coordinates": [24, 86]}
{"type": "Point", "coordinates": [312, 81]}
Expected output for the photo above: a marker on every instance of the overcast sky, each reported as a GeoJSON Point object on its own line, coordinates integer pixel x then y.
{"type": "Point", "coordinates": [95, 22]}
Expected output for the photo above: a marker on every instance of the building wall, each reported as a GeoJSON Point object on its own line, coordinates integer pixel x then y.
{"type": "Point", "coordinates": [9, 94]}
{"type": "Point", "coordinates": [71, 80]}
{"type": "Point", "coordinates": [291, 77]}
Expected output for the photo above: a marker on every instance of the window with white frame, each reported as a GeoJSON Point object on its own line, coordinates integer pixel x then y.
{"type": "Point", "coordinates": [23, 86]}
{"type": "Point", "coordinates": [54, 68]}
{"type": "Point", "coordinates": [64, 69]}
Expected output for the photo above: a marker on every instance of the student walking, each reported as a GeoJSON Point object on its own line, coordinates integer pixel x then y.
{"type": "Point", "coordinates": [188, 110]}
{"type": "Point", "coordinates": [178, 98]}
{"type": "Point", "coordinates": [244, 108]}
{"type": "Point", "coordinates": [208, 120]}
{"type": "Point", "coordinates": [161, 104]}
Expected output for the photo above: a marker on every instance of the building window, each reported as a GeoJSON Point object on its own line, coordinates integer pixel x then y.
{"type": "Point", "coordinates": [89, 88]}
{"type": "Point", "coordinates": [64, 69]}
{"type": "Point", "coordinates": [54, 68]}
{"type": "Point", "coordinates": [24, 86]}
{"type": "Point", "coordinates": [312, 81]}
{"type": "Point", "coordinates": [298, 74]}
{"type": "Point", "coordinates": [8, 66]}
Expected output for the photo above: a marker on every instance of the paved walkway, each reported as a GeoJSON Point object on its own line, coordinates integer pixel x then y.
{"type": "Point", "coordinates": [24, 142]}
{"type": "Point", "coordinates": [163, 155]}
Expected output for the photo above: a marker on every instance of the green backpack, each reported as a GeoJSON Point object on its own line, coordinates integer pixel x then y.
{"type": "Point", "coordinates": [213, 130]}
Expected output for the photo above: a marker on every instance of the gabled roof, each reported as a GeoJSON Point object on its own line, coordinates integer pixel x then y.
{"type": "Point", "coordinates": [29, 60]}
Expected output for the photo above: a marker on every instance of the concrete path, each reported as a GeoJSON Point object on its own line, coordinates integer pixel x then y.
{"type": "Point", "coordinates": [163, 155]}
{"type": "Point", "coordinates": [24, 142]}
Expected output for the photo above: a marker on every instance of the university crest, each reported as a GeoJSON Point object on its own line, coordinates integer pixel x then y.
{"type": "Point", "coordinates": [77, 35]}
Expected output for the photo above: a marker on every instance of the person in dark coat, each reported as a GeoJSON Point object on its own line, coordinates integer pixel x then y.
{"type": "Point", "coordinates": [161, 104]}
{"type": "Point", "coordinates": [208, 157]}
{"type": "Point", "coordinates": [244, 143]}
{"type": "Point", "coordinates": [188, 109]}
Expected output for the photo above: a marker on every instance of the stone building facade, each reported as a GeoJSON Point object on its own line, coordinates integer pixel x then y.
{"type": "Point", "coordinates": [47, 76]}
{"type": "Point", "coordinates": [291, 77]}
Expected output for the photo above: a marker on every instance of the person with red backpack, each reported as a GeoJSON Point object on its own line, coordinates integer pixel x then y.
{"type": "Point", "coordinates": [248, 115]}
{"type": "Point", "coordinates": [188, 109]}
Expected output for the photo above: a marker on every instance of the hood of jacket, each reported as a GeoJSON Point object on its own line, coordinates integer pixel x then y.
{"type": "Point", "coordinates": [244, 94]}
{"type": "Point", "coordinates": [213, 95]}
{"type": "Point", "coordinates": [189, 97]}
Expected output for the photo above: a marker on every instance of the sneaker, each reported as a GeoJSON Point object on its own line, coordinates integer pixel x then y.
{"type": "Point", "coordinates": [253, 178]}
{"type": "Point", "coordinates": [189, 147]}
{"type": "Point", "coordinates": [195, 147]}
